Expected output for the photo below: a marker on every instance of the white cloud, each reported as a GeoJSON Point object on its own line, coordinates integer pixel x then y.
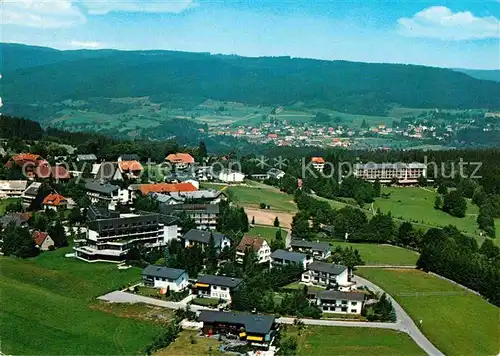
{"type": "Point", "coordinates": [86, 44]}
{"type": "Point", "coordinates": [440, 22]}
{"type": "Point", "coordinates": [153, 6]}
{"type": "Point", "coordinates": [41, 13]}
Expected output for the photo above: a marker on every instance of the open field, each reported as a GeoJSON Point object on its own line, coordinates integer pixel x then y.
{"type": "Point", "coordinates": [4, 203]}
{"type": "Point", "coordinates": [324, 340]}
{"type": "Point", "coordinates": [268, 233]}
{"type": "Point", "coordinates": [381, 254]}
{"type": "Point", "coordinates": [48, 307]}
{"type": "Point", "coordinates": [457, 322]}
{"type": "Point", "coordinates": [184, 346]}
{"type": "Point", "coordinates": [252, 196]}
{"type": "Point", "coordinates": [297, 285]}
{"type": "Point", "coordinates": [266, 217]}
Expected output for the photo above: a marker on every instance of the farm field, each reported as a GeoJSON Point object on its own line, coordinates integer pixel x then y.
{"type": "Point", "coordinates": [52, 297]}
{"type": "Point", "coordinates": [252, 196]}
{"type": "Point", "coordinates": [183, 346]}
{"type": "Point", "coordinates": [381, 254]}
{"type": "Point", "coordinates": [457, 324]}
{"type": "Point", "coordinates": [324, 340]}
{"type": "Point", "coordinates": [268, 233]}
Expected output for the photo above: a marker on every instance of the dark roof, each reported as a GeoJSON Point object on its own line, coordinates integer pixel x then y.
{"type": "Point", "coordinates": [315, 246]}
{"type": "Point", "coordinates": [254, 243]}
{"type": "Point", "coordinates": [97, 213]}
{"type": "Point", "coordinates": [189, 208]}
{"type": "Point", "coordinates": [123, 224]}
{"type": "Point", "coordinates": [129, 157]}
{"type": "Point", "coordinates": [107, 171]}
{"type": "Point", "coordinates": [161, 271]}
{"type": "Point", "coordinates": [104, 188]}
{"type": "Point", "coordinates": [326, 267]}
{"type": "Point", "coordinates": [289, 256]}
{"type": "Point", "coordinates": [333, 294]}
{"type": "Point", "coordinates": [253, 323]}
{"type": "Point", "coordinates": [220, 281]}
{"type": "Point", "coordinates": [203, 236]}
{"type": "Point", "coordinates": [17, 218]}
{"type": "Point", "coordinates": [33, 189]}
{"type": "Point", "coordinates": [87, 157]}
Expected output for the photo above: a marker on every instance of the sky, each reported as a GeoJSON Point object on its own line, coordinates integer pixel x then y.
{"type": "Point", "coordinates": [453, 34]}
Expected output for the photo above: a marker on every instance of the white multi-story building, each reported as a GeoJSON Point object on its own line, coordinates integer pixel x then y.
{"type": "Point", "coordinates": [284, 258]}
{"type": "Point", "coordinates": [202, 238]}
{"type": "Point", "coordinates": [205, 216]}
{"type": "Point", "coordinates": [257, 245]}
{"type": "Point", "coordinates": [327, 274]}
{"type": "Point", "coordinates": [332, 301]}
{"type": "Point", "coordinates": [404, 173]}
{"type": "Point", "coordinates": [230, 176]}
{"type": "Point", "coordinates": [110, 236]}
{"type": "Point", "coordinates": [220, 287]}
{"type": "Point", "coordinates": [109, 193]}
{"type": "Point", "coordinates": [12, 188]}
{"type": "Point", "coordinates": [172, 279]}
{"type": "Point", "coordinates": [319, 250]}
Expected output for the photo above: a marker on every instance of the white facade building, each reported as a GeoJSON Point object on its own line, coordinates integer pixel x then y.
{"type": "Point", "coordinates": [219, 287]}
{"type": "Point", "coordinates": [230, 176]}
{"type": "Point", "coordinates": [172, 279]}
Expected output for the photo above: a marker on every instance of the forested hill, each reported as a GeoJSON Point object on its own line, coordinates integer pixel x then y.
{"type": "Point", "coordinates": [36, 75]}
{"type": "Point", "coordinates": [493, 74]}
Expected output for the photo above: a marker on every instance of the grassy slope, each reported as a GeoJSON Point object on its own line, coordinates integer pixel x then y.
{"type": "Point", "coordinates": [374, 254]}
{"type": "Point", "coordinates": [268, 233]}
{"type": "Point", "coordinates": [252, 196]}
{"type": "Point", "coordinates": [323, 340]}
{"type": "Point", "coordinates": [46, 308]}
{"type": "Point", "coordinates": [182, 346]}
{"type": "Point", "coordinates": [456, 324]}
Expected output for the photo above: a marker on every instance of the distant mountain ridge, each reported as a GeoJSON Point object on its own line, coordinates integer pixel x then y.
{"type": "Point", "coordinates": [38, 77]}
{"type": "Point", "coordinates": [483, 74]}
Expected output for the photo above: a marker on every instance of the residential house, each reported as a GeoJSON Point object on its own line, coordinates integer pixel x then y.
{"type": "Point", "coordinates": [275, 173]}
{"type": "Point", "coordinates": [55, 202]}
{"type": "Point", "coordinates": [230, 176]}
{"type": "Point", "coordinates": [327, 274]}
{"type": "Point", "coordinates": [106, 192]}
{"type": "Point", "coordinates": [108, 172]}
{"type": "Point", "coordinates": [32, 194]}
{"type": "Point", "coordinates": [55, 172]}
{"type": "Point", "coordinates": [200, 197]}
{"type": "Point", "coordinates": [128, 157]}
{"type": "Point", "coordinates": [284, 258]}
{"type": "Point", "coordinates": [42, 240]}
{"type": "Point", "coordinates": [202, 238]}
{"type": "Point", "coordinates": [18, 219]}
{"type": "Point", "coordinates": [12, 188]}
{"type": "Point", "coordinates": [255, 244]}
{"type": "Point", "coordinates": [130, 169]}
{"type": "Point", "coordinates": [180, 160]}
{"type": "Point", "coordinates": [319, 250]}
{"type": "Point", "coordinates": [220, 287]}
{"type": "Point", "coordinates": [332, 301]}
{"type": "Point", "coordinates": [109, 237]}
{"type": "Point", "coordinates": [172, 279]}
{"type": "Point", "coordinates": [205, 216]}
{"type": "Point", "coordinates": [89, 158]}
{"type": "Point", "coordinates": [386, 172]}
{"type": "Point", "coordinates": [146, 189]}
{"type": "Point", "coordinates": [318, 163]}
{"type": "Point", "coordinates": [256, 329]}
{"type": "Point", "coordinates": [28, 162]}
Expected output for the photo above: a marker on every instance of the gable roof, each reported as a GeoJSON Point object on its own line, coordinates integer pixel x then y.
{"type": "Point", "coordinates": [253, 323]}
{"type": "Point", "coordinates": [129, 157]}
{"type": "Point", "coordinates": [203, 236]}
{"type": "Point", "coordinates": [315, 246]}
{"type": "Point", "coordinates": [39, 237]}
{"type": "Point", "coordinates": [54, 199]}
{"type": "Point", "coordinates": [56, 172]}
{"type": "Point", "coordinates": [130, 166]}
{"type": "Point", "coordinates": [254, 243]}
{"type": "Point", "coordinates": [333, 294]}
{"type": "Point", "coordinates": [32, 189]}
{"type": "Point", "coordinates": [180, 158]}
{"type": "Point", "coordinates": [86, 157]}
{"type": "Point", "coordinates": [166, 187]}
{"type": "Point", "coordinates": [17, 218]}
{"type": "Point", "coordinates": [107, 171]}
{"type": "Point", "coordinates": [317, 160]}
{"type": "Point", "coordinates": [162, 271]}
{"type": "Point", "coordinates": [326, 267]}
{"type": "Point", "coordinates": [220, 280]}
{"type": "Point", "coordinates": [104, 188]}
{"type": "Point", "coordinates": [289, 256]}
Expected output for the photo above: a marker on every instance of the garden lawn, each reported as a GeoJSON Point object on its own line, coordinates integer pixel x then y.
{"type": "Point", "coordinates": [183, 346]}
{"type": "Point", "coordinates": [327, 340]}
{"type": "Point", "coordinates": [4, 203]}
{"type": "Point", "coordinates": [297, 285]}
{"type": "Point", "coordinates": [416, 205]}
{"type": "Point", "coordinates": [48, 307]}
{"type": "Point", "coordinates": [268, 233]}
{"type": "Point", "coordinates": [207, 302]}
{"type": "Point", "coordinates": [458, 324]}
{"type": "Point", "coordinates": [380, 254]}
{"type": "Point", "coordinates": [252, 196]}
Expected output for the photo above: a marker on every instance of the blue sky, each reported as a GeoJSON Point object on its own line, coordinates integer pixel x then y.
{"type": "Point", "coordinates": [437, 33]}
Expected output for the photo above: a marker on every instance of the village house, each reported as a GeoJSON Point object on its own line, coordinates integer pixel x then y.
{"type": "Point", "coordinates": [327, 274]}
{"type": "Point", "coordinates": [255, 244]}
{"type": "Point", "coordinates": [107, 172]}
{"type": "Point", "coordinates": [200, 197]}
{"type": "Point", "coordinates": [180, 160]}
{"type": "Point", "coordinates": [205, 216]}
{"type": "Point", "coordinates": [219, 287]}
{"type": "Point", "coordinates": [256, 329]}
{"type": "Point", "coordinates": [128, 157]}
{"type": "Point", "coordinates": [42, 240]}
{"type": "Point", "coordinates": [332, 301]}
{"type": "Point", "coordinates": [130, 169]}
{"type": "Point", "coordinates": [12, 188]}
{"type": "Point", "coordinates": [147, 189]}
{"type": "Point", "coordinates": [28, 162]}
{"type": "Point", "coordinates": [106, 192]}
{"type": "Point", "coordinates": [18, 219]}
{"type": "Point", "coordinates": [230, 176]}
{"type": "Point", "coordinates": [319, 250]}
{"type": "Point", "coordinates": [201, 238]}
{"type": "Point", "coordinates": [285, 258]}
{"type": "Point", "coordinates": [55, 202]}
{"type": "Point", "coordinates": [318, 163]}
{"type": "Point", "coordinates": [275, 173]}
{"type": "Point", "coordinates": [89, 158]}
{"type": "Point", "coordinates": [171, 279]}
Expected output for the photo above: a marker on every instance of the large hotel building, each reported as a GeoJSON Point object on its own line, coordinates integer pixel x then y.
{"type": "Point", "coordinates": [405, 173]}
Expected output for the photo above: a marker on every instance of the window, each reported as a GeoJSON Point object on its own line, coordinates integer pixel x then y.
{"type": "Point", "coordinates": [344, 309]}
{"type": "Point", "coordinates": [344, 302]}
{"type": "Point", "coordinates": [325, 308]}
{"type": "Point", "coordinates": [353, 311]}
{"type": "Point", "coordinates": [354, 303]}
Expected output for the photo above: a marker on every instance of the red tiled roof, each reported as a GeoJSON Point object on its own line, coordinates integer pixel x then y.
{"type": "Point", "coordinates": [39, 237]}
{"type": "Point", "coordinates": [180, 158]}
{"type": "Point", "coordinates": [254, 243]}
{"type": "Point", "coordinates": [56, 172]}
{"type": "Point", "coordinates": [317, 160]}
{"type": "Point", "coordinates": [130, 166]}
{"type": "Point", "coordinates": [166, 187]}
{"type": "Point", "coordinates": [54, 199]}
